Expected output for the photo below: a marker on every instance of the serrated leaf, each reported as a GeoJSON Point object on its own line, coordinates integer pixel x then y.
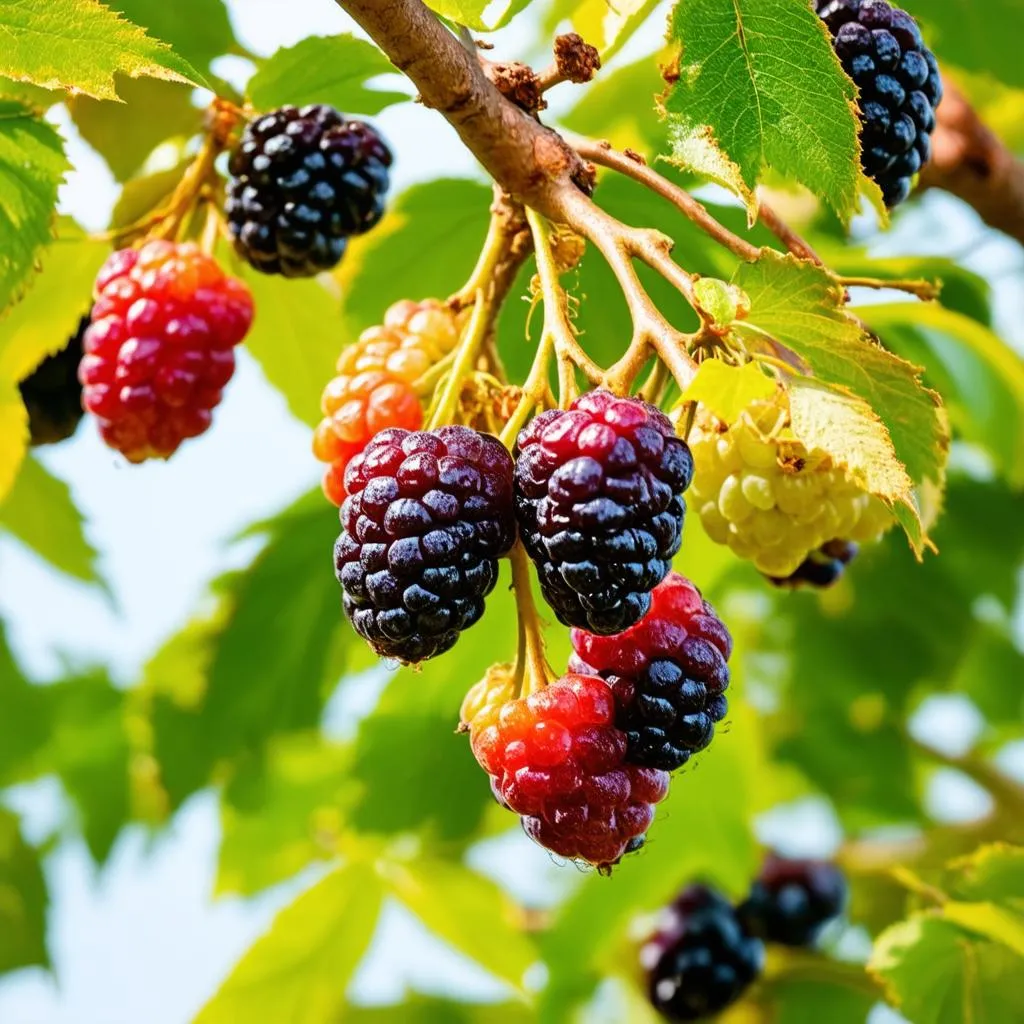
{"type": "Point", "coordinates": [982, 372]}
{"type": "Point", "coordinates": [324, 69]}
{"type": "Point", "coordinates": [296, 337]}
{"type": "Point", "coordinates": [855, 438]}
{"type": "Point", "coordinates": [938, 974]}
{"type": "Point", "coordinates": [79, 45]}
{"type": "Point", "coordinates": [760, 86]}
{"type": "Point", "coordinates": [468, 911]}
{"type": "Point", "coordinates": [728, 390]}
{"type": "Point", "coordinates": [40, 512]}
{"type": "Point", "coordinates": [49, 314]}
{"type": "Point", "coordinates": [198, 30]}
{"type": "Point", "coordinates": [125, 133]}
{"type": "Point", "coordinates": [32, 166]}
{"type": "Point", "coordinates": [13, 434]}
{"type": "Point", "coordinates": [299, 970]}
{"type": "Point", "coordinates": [993, 872]}
{"type": "Point", "coordinates": [23, 899]}
{"type": "Point", "coordinates": [800, 306]}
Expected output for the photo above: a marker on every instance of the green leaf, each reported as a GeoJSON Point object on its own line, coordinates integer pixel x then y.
{"type": "Point", "coordinates": [79, 45]}
{"type": "Point", "coordinates": [416, 1009]}
{"type": "Point", "coordinates": [296, 337]}
{"type": "Point", "coordinates": [43, 321]}
{"type": "Point", "coordinates": [995, 923]}
{"type": "Point", "coordinates": [88, 749]}
{"type": "Point", "coordinates": [290, 821]}
{"type": "Point", "coordinates": [198, 30]}
{"type": "Point", "coordinates": [145, 193]}
{"type": "Point", "coordinates": [266, 663]}
{"type": "Point", "coordinates": [425, 246]}
{"type": "Point", "coordinates": [993, 872]}
{"type": "Point", "coordinates": [32, 166]}
{"type": "Point", "coordinates": [620, 106]}
{"type": "Point", "coordinates": [299, 970]}
{"type": "Point", "coordinates": [760, 86]}
{"type": "Point", "coordinates": [812, 1002]}
{"type": "Point", "coordinates": [414, 772]}
{"type": "Point", "coordinates": [471, 12]}
{"type": "Point", "coordinates": [728, 390]}
{"type": "Point", "coordinates": [846, 427]}
{"type": "Point", "coordinates": [938, 974]}
{"type": "Point", "coordinates": [800, 306]}
{"type": "Point", "coordinates": [983, 376]}
{"type": "Point", "coordinates": [468, 911]}
{"type": "Point", "coordinates": [976, 38]}
{"type": "Point", "coordinates": [125, 133]}
{"type": "Point", "coordinates": [13, 434]}
{"type": "Point", "coordinates": [23, 899]}
{"type": "Point", "coordinates": [607, 26]}
{"type": "Point", "coordinates": [39, 511]}
{"type": "Point", "coordinates": [324, 69]}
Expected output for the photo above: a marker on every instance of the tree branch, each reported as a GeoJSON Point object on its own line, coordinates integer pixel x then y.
{"type": "Point", "coordinates": [519, 153]}
{"type": "Point", "coordinates": [971, 163]}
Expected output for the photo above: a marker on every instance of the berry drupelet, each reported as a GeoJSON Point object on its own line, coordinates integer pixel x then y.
{"type": "Point", "coordinates": [897, 76]}
{"type": "Point", "coordinates": [599, 502]}
{"type": "Point", "coordinates": [792, 900]}
{"type": "Point", "coordinates": [159, 349]}
{"type": "Point", "coordinates": [52, 393]}
{"type": "Point", "coordinates": [303, 181]}
{"type": "Point", "coordinates": [427, 517]}
{"type": "Point", "coordinates": [668, 674]}
{"type": "Point", "coordinates": [556, 758]}
{"type": "Point", "coordinates": [701, 960]}
{"type": "Point", "coordinates": [374, 388]}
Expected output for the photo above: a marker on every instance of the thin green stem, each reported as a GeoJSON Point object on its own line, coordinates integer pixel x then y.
{"type": "Point", "coordinates": [925, 290]}
{"type": "Point", "coordinates": [465, 359]}
{"type": "Point", "coordinates": [532, 670]}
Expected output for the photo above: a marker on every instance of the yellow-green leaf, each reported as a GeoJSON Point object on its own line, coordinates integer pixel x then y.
{"type": "Point", "coordinates": [728, 390]}
{"type": "Point", "coordinates": [797, 310]}
{"type": "Point", "coordinates": [43, 321]}
{"type": "Point", "coordinates": [13, 434]}
{"type": "Point", "coordinates": [40, 513]}
{"type": "Point", "coordinates": [759, 86]}
{"type": "Point", "coordinates": [296, 337]}
{"type": "Point", "coordinates": [847, 428]}
{"type": "Point", "coordinates": [985, 374]}
{"type": "Point", "coordinates": [468, 911]}
{"type": "Point", "coordinates": [79, 45]}
{"type": "Point", "coordinates": [995, 923]}
{"type": "Point", "coordinates": [993, 872]}
{"type": "Point", "coordinates": [324, 69]}
{"type": "Point", "coordinates": [299, 970]}
{"type": "Point", "coordinates": [32, 166]}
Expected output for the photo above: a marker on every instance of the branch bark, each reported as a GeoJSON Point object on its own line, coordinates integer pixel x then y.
{"type": "Point", "coordinates": [519, 153]}
{"type": "Point", "coordinates": [971, 163]}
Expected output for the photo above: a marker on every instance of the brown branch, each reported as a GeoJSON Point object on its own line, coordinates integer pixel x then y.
{"type": "Point", "coordinates": [793, 242]}
{"type": "Point", "coordinates": [971, 163]}
{"type": "Point", "coordinates": [520, 153]}
{"type": "Point", "coordinates": [633, 166]}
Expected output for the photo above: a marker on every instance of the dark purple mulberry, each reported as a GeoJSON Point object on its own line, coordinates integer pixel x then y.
{"type": "Point", "coordinates": [427, 517]}
{"type": "Point", "coordinates": [599, 503]}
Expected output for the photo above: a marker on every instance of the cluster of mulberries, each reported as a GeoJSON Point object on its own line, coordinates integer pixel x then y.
{"type": "Point", "coordinates": [899, 87]}
{"type": "Point", "coordinates": [762, 493]}
{"type": "Point", "coordinates": [706, 952]}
